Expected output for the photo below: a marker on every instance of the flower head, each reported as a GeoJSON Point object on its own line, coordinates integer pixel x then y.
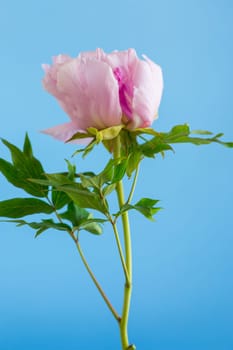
{"type": "Point", "coordinates": [102, 90]}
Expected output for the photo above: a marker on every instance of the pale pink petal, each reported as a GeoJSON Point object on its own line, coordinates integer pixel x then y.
{"type": "Point", "coordinates": [89, 93]}
{"type": "Point", "coordinates": [64, 132]}
{"type": "Point", "coordinates": [50, 79]}
{"type": "Point", "coordinates": [98, 54]}
{"type": "Point", "coordinates": [148, 86]}
{"type": "Point", "coordinates": [157, 77]}
{"type": "Point", "coordinates": [124, 59]}
{"type": "Point", "coordinates": [60, 59]}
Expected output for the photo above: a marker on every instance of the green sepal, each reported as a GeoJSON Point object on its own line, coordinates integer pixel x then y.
{"type": "Point", "coordinates": [96, 136]}
{"type": "Point", "coordinates": [87, 149]}
{"type": "Point", "coordinates": [99, 135]}
{"type": "Point", "coordinates": [19, 207]}
{"type": "Point", "coordinates": [110, 133]}
{"type": "Point", "coordinates": [79, 135]}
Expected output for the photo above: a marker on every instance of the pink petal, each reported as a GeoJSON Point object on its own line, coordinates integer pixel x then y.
{"type": "Point", "coordinates": [140, 87]}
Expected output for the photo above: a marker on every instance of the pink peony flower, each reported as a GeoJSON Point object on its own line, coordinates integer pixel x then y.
{"type": "Point", "coordinates": [102, 90]}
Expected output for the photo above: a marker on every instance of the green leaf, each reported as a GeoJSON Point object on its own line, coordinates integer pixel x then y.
{"type": "Point", "coordinates": [201, 132]}
{"type": "Point", "coordinates": [42, 226]}
{"type": "Point", "coordinates": [179, 134]}
{"type": "Point", "coordinates": [59, 198]}
{"type": "Point", "coordinates": [119, 171]}
{"type": "Point", "coordinates": [108, 189]}
{"type": "Point", "coordinates": [24, 166]}
{"type": "Point", "coordinates": [75, 214]}
{"type": "Point", "coordinates": [90, 181]}
{"type": "Point", "coordinates": [145, 206]}
{"type": "Point", "coordinates": [27, 147]}
{"type": "Point", "coordinates": [133, 161]}
{"type": "Point", "coordinates": [154, 146]}
{"type": "Point", "coordinates": [81, 219]}
{"type": "Point", "coordinates": [58, 179]}
{"type": "Point", "coordinates": [83, 197]}
{"type": "Point", "coordinates": [19, 207]}
{"type": "Point", "coordinates": [40, 182]}
{"type": "Point", "coordinates": [47, 224]}
{"type": "Point", "coordinates": [18, 179]}
{"type": "Point", "coordinates": [55, 179]}
{"type": "Point", "coordinates": [92, 227]}
{"type": "Point", "coordinates": [71, 170]}
{"type": "Point", "coordinates": [147, 202]}
{"type": "Point", "coordinates": [176, 132]}
{"type": "Point", "coordinates": [113, 172]}
{"type": "Point", "coordinates": [148, 131]}
{"type": "Point", "coordinates": [107, 174]}
{"type": "Point", "coordinates": [128, 142]}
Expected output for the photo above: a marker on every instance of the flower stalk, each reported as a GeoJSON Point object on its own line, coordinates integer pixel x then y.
{"type": "Point", "coordinates": [128, 257]}
{"type": "Point", "coordinates": [98, 286]}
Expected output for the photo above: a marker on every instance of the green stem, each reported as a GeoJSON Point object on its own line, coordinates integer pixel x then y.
{"type": "Point", "coordinates": [128, 257]}
{"type": "Point", "coordinates": [111, 308]}
{"type": "Point", "coordinates": [98, 286]}
{"type": "Point", "coordinates": [133, 185]}
{"type": "Point", "coordinates": [120, 250]}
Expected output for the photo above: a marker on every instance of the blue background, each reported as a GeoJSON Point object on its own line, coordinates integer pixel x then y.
{"type": "Point", "coordinates": [183, 263]}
